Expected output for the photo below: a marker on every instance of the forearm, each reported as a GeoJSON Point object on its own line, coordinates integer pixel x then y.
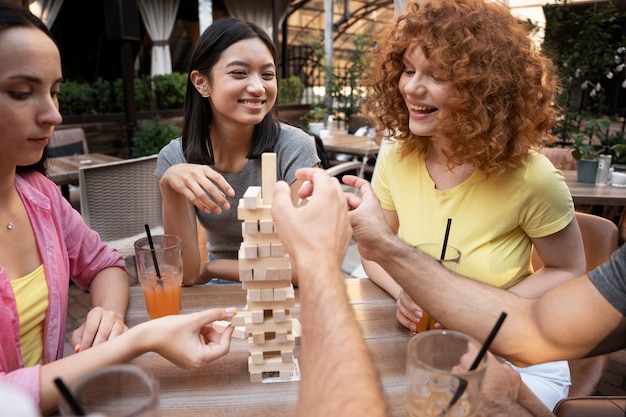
{"type": "Point", "coordinates": [227, 269]}
{"type": "Point", "coordinates": [381, 278]}
{"type": "Point", "coordinates": [121, 349]}
{"type": "Point", "coordinates": [109, 290]}
{"type": "Point", "coordinates": [334, 355]}
{"type": "Point", "coordinates": [542, 281]}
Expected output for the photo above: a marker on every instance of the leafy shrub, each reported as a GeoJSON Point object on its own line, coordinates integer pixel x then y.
{"type": "Point", "coordinates": [170, 90]}
{"type": "Point", "coordinates": [153, 136]}
{"type": "Point", "coordinates": [290, 90]}
{"type": "Point", "coordinates": [101, 90]}
{"type": "Point", "coordinates": [75, 98]}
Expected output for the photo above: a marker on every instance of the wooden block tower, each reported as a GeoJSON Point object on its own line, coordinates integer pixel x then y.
{"type": "Point", "coordinates": [265, 273]}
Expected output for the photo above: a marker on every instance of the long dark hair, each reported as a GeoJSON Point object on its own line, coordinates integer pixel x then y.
{"type": "Point", "coordinates": [196, 142]}
{"type": "Point", "coordinates": [13, 16]}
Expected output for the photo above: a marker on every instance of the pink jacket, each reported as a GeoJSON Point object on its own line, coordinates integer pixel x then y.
{"type": "Point", "coordinates": [68, 248]}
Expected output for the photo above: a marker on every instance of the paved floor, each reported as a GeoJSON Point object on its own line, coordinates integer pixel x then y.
{"type": "Point", "coordinates": [613, 383]}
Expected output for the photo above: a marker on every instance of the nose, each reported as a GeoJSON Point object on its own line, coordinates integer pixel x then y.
{"type": "Point", "coordinates": [49, 112]}
{"type": "Point", "coordinates": [415, 85]}
{"type": "Point", "coordinates": [255, 85]}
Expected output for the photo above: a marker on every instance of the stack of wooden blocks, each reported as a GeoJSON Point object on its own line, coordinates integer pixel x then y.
{"type": "Point", "coordinates": [265, 273]}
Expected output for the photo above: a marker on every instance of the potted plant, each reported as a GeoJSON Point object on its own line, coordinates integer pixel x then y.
{"type": "Point", "coordinates": [315, 118]}
{"type": "Point", "coordinates": [588, 145]}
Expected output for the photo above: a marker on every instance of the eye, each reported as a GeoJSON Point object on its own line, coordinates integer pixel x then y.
{"type": "Point", "coordinates": [19, 95]}
{"type": "Point", "coordinates": [409, 72]}
{"type": "Point", "coordinates": [238, 74]}
{"type": "Point", "coordinates": [268, 75]}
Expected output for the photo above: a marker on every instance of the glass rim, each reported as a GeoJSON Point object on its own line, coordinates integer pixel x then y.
{"type": "Point", "coordinates": [143, 244]}
{"type": "Point", "coordinates": [482, 366]}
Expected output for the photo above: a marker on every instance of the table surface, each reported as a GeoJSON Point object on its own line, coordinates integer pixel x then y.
{"type": "Point", "coordinates": [223, 388]}
{"type": "Point", "coordinates": [362, 146]}
{"type": "Point", "coordinates": [583, 193]}
{"type": "Point", "coordinates": [64, 169]}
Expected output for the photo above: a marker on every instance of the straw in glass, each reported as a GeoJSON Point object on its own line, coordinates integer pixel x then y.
{"type": "Point", "coordinates": [445, 241]}
{"type": "Point", "coordinates": [483, 350]}
{"type": "Point", "coordinates": [69, 398]}
{"type": "Point", "coordinates": [154, 258]}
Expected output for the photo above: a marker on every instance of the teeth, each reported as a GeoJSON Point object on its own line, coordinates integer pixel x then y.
{"type": "Point", "coordinates": [253, 103]}
{"type": "Point", "coordinates": [422, 108]}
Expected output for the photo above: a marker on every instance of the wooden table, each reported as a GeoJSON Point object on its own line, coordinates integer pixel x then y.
{"type": "Point", "coordinates": [362, 147]}
{"type": "Point", "coordinates": [592, 194]}
{"type": "Point", "coordinates": [63, 170]}
{"type": "Point", "coordinates": [223, 388]}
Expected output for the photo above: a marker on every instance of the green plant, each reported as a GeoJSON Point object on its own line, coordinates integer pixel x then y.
{"type": "Point", "coordinates": [592, 140]}
{"type": "Point", "coordinates": [75, 98]}
{"type": "Point", "coordinates": [170, 90]}
{"type": "Point", "coordinates": [290, 90]}
{"type": "Point", "coordinates": [153, 136]}
{"type": "Point", "coordinates": [316, 114]}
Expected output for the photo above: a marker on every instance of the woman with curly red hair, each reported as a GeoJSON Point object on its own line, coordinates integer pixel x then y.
{"type": "Point", "coordinates": [466, 99]}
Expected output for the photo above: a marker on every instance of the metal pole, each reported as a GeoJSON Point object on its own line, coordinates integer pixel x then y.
{"type": "Point", "coordinates": [328, 46]}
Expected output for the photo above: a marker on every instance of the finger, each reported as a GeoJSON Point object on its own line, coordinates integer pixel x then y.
{"type": "Point", "coordinates": [409, 324]}
{"type": "Point", "coordinates": [353, 200]}
{"type": "Point", "coordinates": [306, 174]}
{"type": "Point", "coordinates": [210, 315]}
{"type": "Point", "coordinates": [306, 190]}
{"type": "Point", "coordinates": [282, 198]}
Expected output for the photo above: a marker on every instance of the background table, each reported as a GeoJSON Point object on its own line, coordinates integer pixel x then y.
{"type": "Point", "coordinates": [592, 194]}
{"type": "Point", "coordinates": [63, 170]}
{"type": "Point", "coordinates": [223, 388]}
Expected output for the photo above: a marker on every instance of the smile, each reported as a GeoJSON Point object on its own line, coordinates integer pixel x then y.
{"type": "Point", "coordinates": [423, 109]}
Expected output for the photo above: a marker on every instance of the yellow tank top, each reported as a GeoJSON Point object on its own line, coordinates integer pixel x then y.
{"type": "Point", "coordinates": [31, 296]}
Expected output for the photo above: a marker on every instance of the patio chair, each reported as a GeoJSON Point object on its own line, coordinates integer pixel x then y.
{"type": "Point", "coordinates": [600, 241]}
{"type": "Point", "coordinates": [119, 198]}
{"type": "Point", "coordinates": [68, 142]}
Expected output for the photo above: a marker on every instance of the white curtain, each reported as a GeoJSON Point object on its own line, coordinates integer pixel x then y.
{"type": "Point", "coordinates": [205, 14]}
{"type": "Point", "coordinates": [159, 17]}
{"type": "Point", "coordinates": [258, 11]}
{"type": "Point", "coordinates": [46, 10]}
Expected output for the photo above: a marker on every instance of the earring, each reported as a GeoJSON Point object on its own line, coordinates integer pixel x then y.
{"type": "Point", "coordinates": [205, 96]}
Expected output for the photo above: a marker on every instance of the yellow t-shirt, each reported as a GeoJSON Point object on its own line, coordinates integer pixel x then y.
{"type": "Point", "coordinates": [31, 295]}
{"type": "Point", "coordinates": [493, 218]}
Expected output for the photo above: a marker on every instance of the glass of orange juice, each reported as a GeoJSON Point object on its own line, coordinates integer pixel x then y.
{"type": "Point", "coordinates": [451, 260]}
{"type": "Point", "coordinates": [161, 282]}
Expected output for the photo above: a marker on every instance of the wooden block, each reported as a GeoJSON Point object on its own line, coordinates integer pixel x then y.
{"type": "Point", "coordinates": [264, 284]}
{"type": "Point", "coordinates": [257, 358]}
{"type": "Point", "coordinates": [296, 329]}
{"type": "Point", "coordinates": [248, 251]}
{"type": "Point", "coordinates": [266, 263]}
{"type": "Point", "coordinates": [264, 250]}
{"type": "Point", "coordinates": [257, 316]}
{"type": "Point", "coordinates": [266, 226]}
{"type": "Point", "coordinates": [246, 275]}
{"type": "Point", "coordinates": [262, 238]}
{"type": "Point", "coordinates": [272, 345]}
{"type": "Point", "coordinates": [259, 274]}
{"type": "Point", "coordinates": [285, 273]}
{"type": "Point", "coordinates": [273, 274]}
{"type": "Point", "coordinates": [238, 333]}
{"type": "Point", "coordinates": [240, 318]}
{"type": "Point", "coordinates": [286, 356]}
{"type": "Point", "coordinates": [280, 294]}
{"type": "Point", "coordinates": [258, 338]}
{"type": "Point", "coordinates": [249, 227]}
{"type": "Point", "coordinates": [286, 375]}
{"type": "Point", "coordinates": [269, 326]}
{"type": "Point", "coordinates": [277, 249]}
{"type": "Point", "coordinates": [256, 377]}
{"type": "Point", "coordinates": [260, 213]}
{"type": "Point", "coordinates": [254, 295]}
{"type": "Point", "coordinates": [252, 197]}
{"type": "Point", "coordinates": [267, 294]}
{"type": "Point", "coordinates": [290, 302]}
{"type": "Point", "coordinates": [268, 177]}
{"type": "Point", "coordinates": [271, 364]}
{"type": "Point", "coordinates": [279, 315]}
{"type": "Point", "coordinates": [282, 337]}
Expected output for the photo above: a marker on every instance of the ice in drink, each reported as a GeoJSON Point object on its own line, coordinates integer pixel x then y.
{"type": "Point", "coordinates": [434, 404]}
{"type": "Point", "coordinates": [162, 295]}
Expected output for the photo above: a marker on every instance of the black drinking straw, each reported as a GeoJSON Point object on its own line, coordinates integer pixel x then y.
{"type": "Point", "coordinates": [483, 350]}
{"type": "Point", "coordinates": [69, 398]}
{"type": "Point", "coordinates": [154, 258]}
{"type": "Point", "coordinates": [445, 241]}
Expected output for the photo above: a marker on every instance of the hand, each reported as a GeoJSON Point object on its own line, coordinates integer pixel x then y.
{"type": "Point", "coordinates": [366, 216]}
{"type": "Point", "coordinates": [408, 313]}
{"type": "Point", "coordinates": [316, 231]}
{"type": "Point", "coordinates": [100, 325]}
{"type": "Point", "coordinates": [201, 185]}
{"type": "Point", "coordinates": [188, 340]}
{"type": "Point", "coordinates": [500, 389]}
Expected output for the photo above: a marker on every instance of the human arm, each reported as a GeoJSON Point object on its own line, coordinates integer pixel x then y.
{"type": "Point", "coordinates": [537, 330]}
{"type": "Point", "coordinates": [338, 376]}
{"type": "Point", "coordinates": [187, 340]}
{"type": "Point", "coordinates": [109, 300]}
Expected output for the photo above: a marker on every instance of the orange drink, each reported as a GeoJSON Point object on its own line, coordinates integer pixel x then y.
{"type": "Point", "coordinates": [162, 295]}
{"type": "Point", "coordinates": [451, 260]}
{"type": "Point", "coordinates": [160, 272]}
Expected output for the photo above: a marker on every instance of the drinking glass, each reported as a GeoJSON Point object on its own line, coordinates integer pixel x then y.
{"type": "Point", "coordinates": [436, 375]}
{"type": "Point", "coordinates": [452, 260]}
{"type": "Point", "coordinates": [124, 390]}
{"type": "Point", "coordinates": [162, 293]}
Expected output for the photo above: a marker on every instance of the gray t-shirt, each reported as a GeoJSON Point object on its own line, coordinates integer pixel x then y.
{"type": "Point", "coordinates": [294, 149]}
{"type": "Point", "coordinates": [610, 279]}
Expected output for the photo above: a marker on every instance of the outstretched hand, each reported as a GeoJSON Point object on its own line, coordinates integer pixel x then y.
{"type": "Point", "coordinates": [366, 216]}
{"type": "Point", "coordinates": [100, 325]}
{"type": "Point", "coordinates": [319, 230]}
{"type": "Point", "coordinates": [189, 340]}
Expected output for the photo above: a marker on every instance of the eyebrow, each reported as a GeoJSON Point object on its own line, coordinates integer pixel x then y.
{"type": "Point", "coordinates": [33, 80]}
{"type": "Point", "coordinates": [245, 64]}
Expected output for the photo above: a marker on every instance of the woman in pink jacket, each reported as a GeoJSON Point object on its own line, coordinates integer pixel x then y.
{"type": "Point", "coordinates": [44, 243]}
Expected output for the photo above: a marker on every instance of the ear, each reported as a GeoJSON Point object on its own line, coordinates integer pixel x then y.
{"type": "Point", "coordinates": [201, 83]}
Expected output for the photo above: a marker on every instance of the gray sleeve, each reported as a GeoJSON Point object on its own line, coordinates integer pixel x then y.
{"type": "Point", "coordinates": [170, 154]}
{"type": "Point", "coordinates": [610, 279]}
{"type": "Point", "coordinates": [294, 149]}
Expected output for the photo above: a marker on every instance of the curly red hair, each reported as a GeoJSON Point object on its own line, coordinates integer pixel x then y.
{"type": "Point", "coordinates": [504, 89]}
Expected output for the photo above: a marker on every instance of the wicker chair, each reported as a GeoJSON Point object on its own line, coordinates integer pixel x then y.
{"type": "Point", "coordinates": [119, 198]}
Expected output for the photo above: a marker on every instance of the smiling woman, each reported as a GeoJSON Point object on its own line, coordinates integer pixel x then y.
{"type": "Point", "coordinates": [229, 123]}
